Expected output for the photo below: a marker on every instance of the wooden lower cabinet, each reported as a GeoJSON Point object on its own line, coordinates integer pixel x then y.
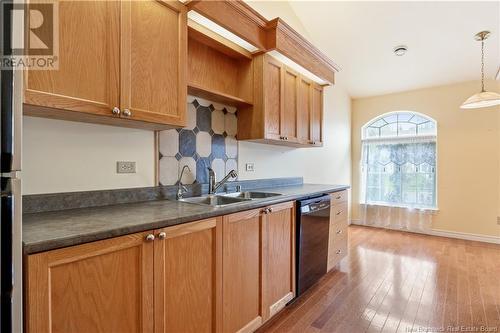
{"type": "Point", "coordinates": [337, 244]}
{"type": "Point", "coordinates": [104, 286]}
{"type": "Point", "coordinates": [129, 284]}
{"type": "Point", "coordinates": [224, 274]}
{"type": "Point", "coordinates": [187, 277]}
{"type": "Point", "coordinates": [242, 266]}
{"type": "Point", "coordinates": [278, 285]}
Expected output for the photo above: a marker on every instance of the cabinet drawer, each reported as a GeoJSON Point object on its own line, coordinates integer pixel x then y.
{"type": "Point", "coordinates": [338, 212]}
{"type": "Point", "coordinates": [338, 251]}
{"type": "Point", "coordinates": [339, 230]}
{"type": "Point", "coordinates": [339, 197]}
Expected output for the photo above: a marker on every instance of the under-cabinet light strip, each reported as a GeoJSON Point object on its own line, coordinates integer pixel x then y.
{"type": "Point", "coordinates": [211, 25]}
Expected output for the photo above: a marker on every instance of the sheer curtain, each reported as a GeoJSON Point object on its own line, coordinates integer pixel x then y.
{"type": "Point", "coordinates": [399, 183]}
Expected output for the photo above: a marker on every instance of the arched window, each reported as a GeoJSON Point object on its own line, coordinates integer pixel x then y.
{"type": "Point", "coordinates": [399, 160]}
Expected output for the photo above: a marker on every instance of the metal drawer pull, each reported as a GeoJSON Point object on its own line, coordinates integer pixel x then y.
{"type": "Point", "coordinates": [339, 212]}
{"type": "Point", "coordinates": [127, 113]}
{"type": "Point", "coordinates": [339, 231]}
{"type": "Point", "coordinates": [150, 237]}
{"type": "Point", "coordinates": [162, 235]}
{"type": "Point", "coordinates": [339, 252]}
{"type": "Point", "coordinates": [116, 110]}
{"type": "Point", "coordinates": [338, 197]}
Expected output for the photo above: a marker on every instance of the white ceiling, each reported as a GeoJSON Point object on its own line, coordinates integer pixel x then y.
{"type": "Point", "coordinates": [360, 37]}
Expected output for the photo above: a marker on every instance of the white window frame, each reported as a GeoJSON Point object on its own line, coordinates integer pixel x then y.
{"type": "Point", "coordinates": [399, 139]}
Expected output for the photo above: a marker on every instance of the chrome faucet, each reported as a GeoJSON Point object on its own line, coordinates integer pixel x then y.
{"type": "Point", "coordinates": [181, 189]}
{"type": "Point", "coordinates": [212, 185]}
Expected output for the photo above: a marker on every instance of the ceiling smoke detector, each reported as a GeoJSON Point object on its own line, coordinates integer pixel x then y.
{"type": "Point", "coordinates": [400, 50]}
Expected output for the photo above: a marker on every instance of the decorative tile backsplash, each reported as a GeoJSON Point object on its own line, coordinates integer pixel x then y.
{"type": "Point", "coordinates": [208, 140]}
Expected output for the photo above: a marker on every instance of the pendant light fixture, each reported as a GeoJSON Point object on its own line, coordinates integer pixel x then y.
{"type": "Point", "coordinates": [484, 98]}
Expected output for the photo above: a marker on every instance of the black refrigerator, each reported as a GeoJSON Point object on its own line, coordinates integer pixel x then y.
{"type": "Point", "coordinates": [10, 208]}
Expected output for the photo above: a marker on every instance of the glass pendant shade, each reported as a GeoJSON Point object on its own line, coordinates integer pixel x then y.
{"type": "Point", "coordinates": [481, 100]}
{"type": "Point", "coordinates": [484, 98]}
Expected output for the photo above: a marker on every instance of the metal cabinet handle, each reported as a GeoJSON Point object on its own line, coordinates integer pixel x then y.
{"type": "Point", "coordinates": [339, 212]}
{"type": "Point", "coordinates": [116, 110]}
{"type": "Point", "coordinates": [270, 210]}
{"type": "Point", "coordinates": [150, 237]}
{"type": "Point", "coordinates": [339, 232]}
{"type": "Point", "coordinates": [338, 252]}
{"type": "Point", "coordinates": [127, 112]}
{"type": "Point", "coordinates": [162, 235]}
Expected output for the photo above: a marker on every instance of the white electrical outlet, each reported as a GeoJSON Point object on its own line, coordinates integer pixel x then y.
{"type": "Point", "coordinates": [249, 167]}
{"type": "Point", "coordinates": [125, 167]}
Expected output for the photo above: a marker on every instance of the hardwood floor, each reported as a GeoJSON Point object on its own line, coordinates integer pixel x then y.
{"type": "Point", "coordinates": [402, 282]}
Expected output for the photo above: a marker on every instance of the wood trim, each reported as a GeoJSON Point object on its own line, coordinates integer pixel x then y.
{"type": "Point", "coordinates": [216, 41]}
{"type": "Point", "coordinates": [237, 17]}
{"type": "Point", "coordinates": [216, 96]}
{"type": "Point", "coordinates": [251, 326]}
{"type": "Point", "coordinates": [279, 305]}
{"type": "Point", "coordinates": [218, 276]}
{"type": "Point", "coordinates": [283, 38]}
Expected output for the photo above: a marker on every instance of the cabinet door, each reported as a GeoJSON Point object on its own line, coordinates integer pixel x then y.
{"type": "Point", "coordinates": [317, 115]}
{"type": "Point", "coordinates": [304, 111]}
{"type": "Point", "coordinates": [154, 61]}
{"type": "Point", "coordinates": [279, 258]}
{"type": "Point", "coordinates": [289, 110]}
{"type": "Point", "coordinates": [241, 265]}
{"type": "Point", "coordinates": [104, 286]}
{"type": "Point", "coordinates": [273, 97]}
{"type": "Point", "coordinates": [88, 76]}
{"type": "Point", "coordinates": [188, 277]}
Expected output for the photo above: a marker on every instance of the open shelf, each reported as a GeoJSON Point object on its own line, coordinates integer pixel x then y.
{"type": "Point", "coordinates": [216, 96]}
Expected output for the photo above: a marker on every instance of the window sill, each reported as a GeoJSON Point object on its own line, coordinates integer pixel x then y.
{"type": "Point", "coordinates": [431, 210]}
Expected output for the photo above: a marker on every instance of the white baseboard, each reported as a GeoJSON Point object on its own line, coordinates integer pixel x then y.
{"type": "Point", "coordinates": [449, 234]}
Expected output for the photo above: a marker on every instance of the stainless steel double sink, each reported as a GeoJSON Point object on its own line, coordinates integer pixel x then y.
{"type": "Point", "coordinates": [222, 200]}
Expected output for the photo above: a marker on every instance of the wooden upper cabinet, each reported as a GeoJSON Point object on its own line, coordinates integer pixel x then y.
{"type": "Point", "coordinates": [87, 80]}
{"type": "Point", "coordinates": [241, 265]}
{"type": "Point", "coordinates": [128, 55]}
{"type": "Point", "coordinates": [154, 61]}
{"type": "Point", "coordinates": [273, 97]}
{"type": "Point", "coordinates": [304, 123]}
{"type": "Point", "coordinates": [188, 277]}
{"type": "Point", "coordinates": [104, 286]}
{"type": "Point", "coordinates": [317, 115]}
{"type": "Point", "coordinates": [289, 111]}
{"type": "Point", "coordinates": [279, 258]}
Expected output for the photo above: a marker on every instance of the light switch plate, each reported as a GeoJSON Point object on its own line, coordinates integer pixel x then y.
{"type": "Point", "coordinates": [125, 167]}
{"type": "Point", "coordinates": [249, 167]}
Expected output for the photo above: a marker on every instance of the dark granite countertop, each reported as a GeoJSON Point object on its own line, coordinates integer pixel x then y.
{"type": "Point", "coordinates": [52, 230]}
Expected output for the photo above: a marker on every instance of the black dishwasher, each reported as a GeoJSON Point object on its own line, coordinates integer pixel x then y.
{"type": "Point", "coordinates": [313, 224]}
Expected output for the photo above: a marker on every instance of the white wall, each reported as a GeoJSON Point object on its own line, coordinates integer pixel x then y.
{"type": "Point", "coordinates": [329, 164]}
{"type": "Point", "coordinates": [64, 156]}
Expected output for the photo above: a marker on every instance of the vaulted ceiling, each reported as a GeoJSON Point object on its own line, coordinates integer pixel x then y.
{"type": "Point", "coordinates": [360, 37]}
